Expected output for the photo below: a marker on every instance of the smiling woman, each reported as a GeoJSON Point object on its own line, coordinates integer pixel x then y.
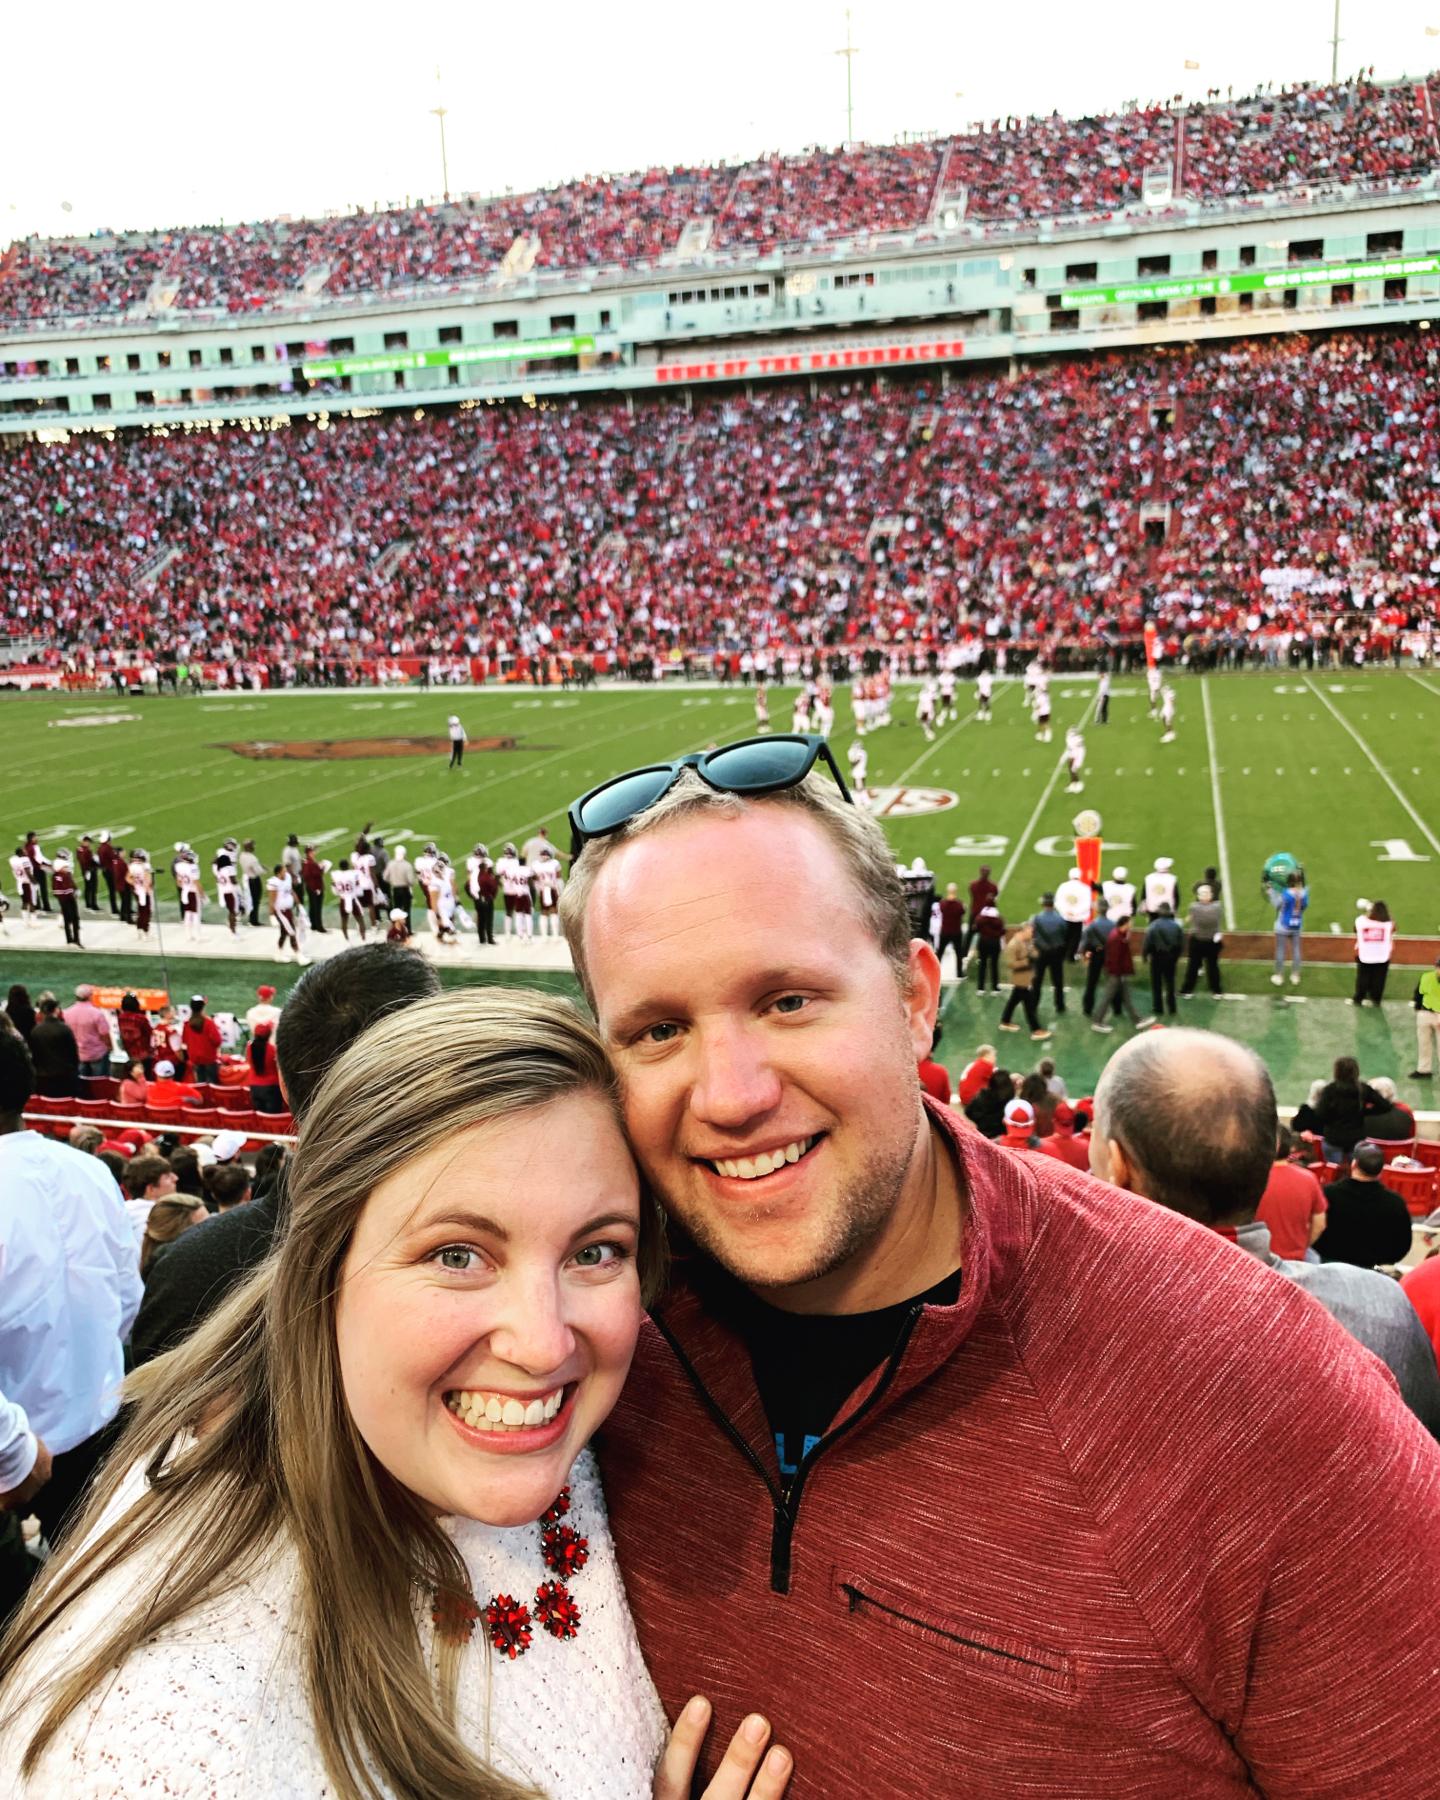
{"type": "Point", "coordinates": [334, 1549]}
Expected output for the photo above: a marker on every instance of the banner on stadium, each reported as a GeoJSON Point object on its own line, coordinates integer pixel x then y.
{"type": "Point", "coordinates": [505, 350]}
{"type": "Point", "coordinates": [1249, 281]}
{"type": "Point", "coordinates": [806, 362]}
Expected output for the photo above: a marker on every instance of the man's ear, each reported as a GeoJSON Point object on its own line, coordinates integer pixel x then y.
{"type": "Point", "coordinates": [1123, 1171]}
{"type": "Point", "coordinates": [922, 998]}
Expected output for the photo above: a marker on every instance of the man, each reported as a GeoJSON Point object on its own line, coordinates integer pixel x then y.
{"type": "Point", "coordinates": [1161, 947]}
{"type": "Point", "coordinates": [227, 884]}
{"type": "Point", "coordinates": [363, 862]}
{"type": "Point", "coordinates": [1153, 683]}
{"type": "Point", "coordinates": [66, 893]}
{"type": "Point", "coordinates": [1073, 902]}
{"type": "Point", "coordinates": [105, 856]}
{"type": "Point", "coordinates": [1074, 760]}
{"type": "Point", "coordinates": [1052, 937]}
{"type": "Point", "coordinates": [292, 859]}
{"type": "Point", "coordinates": [515, 882]}
{"type": "Point", "coordinates": [1292, 1208]}
{"type": "Point", "coordinates": [186, 870]}
{"type": "Point", "coordinates": [89, 867]}
{"type": "Point", "coordinates": [1162, 888]}
{"type": "Point", "coordinates": [200, 1040]}
{"type": "Point", "coordinates": [983, 892]}
{"type": "Point", "coordinates": [1119, 892]}
{"type": "Point", "coordinates": [400, 879]}
{"type": "Point", "coordinates": [925, 709]}
{"type": "Point", "coordinates": [458, 741]}
{"type": "Point", "coordinates": [950, 929]}
{"type": "Point", "coordinates": [327, 1010]}
{"type": "Point", "coordinates": [1022, 966]}
{"type": "Point", "coordinates": [1366, 1223]}
{"type": "Point", "coordinates": [1204, 950]}
{"type": "Point", "coordinates": [1092, 948]}
{"type": "Point", "coordinates": [537, 846]}
{"type": "Point", "coordinates": [312, 879]}
{"type": "Point", "coordinates": [40, 862]}
{"type": "Point", "coordinates": [934, 1076]}
{"type": "Point", "coordinates": [984, 690]}
{"type": "Point", "coordinates": [26, 885]}
{"type": "Point", "coordinates": [91, 1026]}
{"type": "Point", "coordinates": [70, 1291]}
{"type": "Point", "coordinates": [1064, 1143]}
{"type": "Point", "coordinates": [1019, 1132]}
{"type": "Point", "coordinates": [947, 714]}
{"type": "Point", "coordinates": [1119, 967]}
{"type": "Point", "coordinates": [1290, 903]}
{"type": "Point", "coordinates": [1102, 699]}
{"type": "Point", "coordinates": [282, 914]}
{"type": "Point", "coordinates": [55, 1052]}
{"type": "Point", "coordinates": [346, 883]}
{"type": "Point", "coordinates": [141, 878]}
{"type": "Point", "coordinates": [1187, 1118]}
{"type": "Point", "coordinates": [1427, 1023]}
{"type": "Point", "coordinates": [1167, 714]}
{"type": "Point", "coordinates": [252, 873]}
{"type": "Point", "coordinates": [893, 1335]}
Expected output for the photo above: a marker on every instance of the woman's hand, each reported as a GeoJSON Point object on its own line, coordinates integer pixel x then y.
{"type": "Point", "coordinates": [737, 1777]}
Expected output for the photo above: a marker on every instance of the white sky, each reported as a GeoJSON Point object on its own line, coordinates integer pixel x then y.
{"type": "Point", "coordinates": [152, 113]}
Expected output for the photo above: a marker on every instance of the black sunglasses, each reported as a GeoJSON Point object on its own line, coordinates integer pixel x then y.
{"type": "Point", "coordinates": [761, 765]}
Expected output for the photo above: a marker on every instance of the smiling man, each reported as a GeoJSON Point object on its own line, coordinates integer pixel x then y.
{"type": "Point", "coordinates": [919, 1440]}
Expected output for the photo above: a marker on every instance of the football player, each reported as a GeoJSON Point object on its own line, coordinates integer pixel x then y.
{"type": "Point", "coordinates": [1074, 759]}
{"type": "Point", "coordinates": [1167, 714]}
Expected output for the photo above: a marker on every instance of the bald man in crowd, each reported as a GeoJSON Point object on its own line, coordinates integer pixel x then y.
{"type": "Point", "coordinates": [1187, 1119]}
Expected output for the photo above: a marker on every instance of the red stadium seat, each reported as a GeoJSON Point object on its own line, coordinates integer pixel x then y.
{"type": "Point", "coordinates": [92, 1109]}
{"type": "Point", "coordinates": [233, 1100]}
{"type": "Point", "coordinates": [284, 1123]}
{"type": "Point", "coordinates": [1402, 1147]}
{"type": "Point", "coordinates": [1427, 1152]}
{"type": "Point", "coordinates": [99, 1087]}
{"type": "Point", "coordinates": [1416, 1187]}
{"type": "Point", "coordinates": [161, 1115]}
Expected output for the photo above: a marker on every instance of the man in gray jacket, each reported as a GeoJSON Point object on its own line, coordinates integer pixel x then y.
{"type": "Point", "coordinates": [1204, 922]}
{"type": "Point", "coordinates": [1092, 949]}
{"type": "Point", "coordinates": [1187, 1118]}
{"type": "Point", "coordinates": [1163, 943]}
{"type": "Point", "coordinates": [1050, 938]}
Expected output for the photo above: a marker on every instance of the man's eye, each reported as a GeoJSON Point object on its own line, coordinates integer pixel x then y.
{"type": "Point", "coordinates": [790, 1003]}
{"type": "Point", "coordinates": [659, 1034]}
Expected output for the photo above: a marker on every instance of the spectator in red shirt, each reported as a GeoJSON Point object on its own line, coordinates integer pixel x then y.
{"type": "Point", "coordinates": [1064, 1143]}
{"type": "Point", "coordinates": [1019, 1132]}
{"type": "Point", "coordinates": [977, 1073]}
{"type": "Point", "coordinates": [136, 1037]}
{"type": "Point", "coordinates": [1293, 1205]}
{"type": "Point", "coordinates": [983, 893]}
{"type": "Point", "coordinates": [1119, 971]}
{"type": "Point", "coordinates": [1421, 1287]}
{"type": "Point", "coordinates": [165, 1090]}
{"type": "Point", "coordinates": [934, 1077]}
{"type": "Point", "coordinates": [200, 1041]}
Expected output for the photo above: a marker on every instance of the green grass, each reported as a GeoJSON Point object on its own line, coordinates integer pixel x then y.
{"type": "Point", "coordinates": [1334, 768]}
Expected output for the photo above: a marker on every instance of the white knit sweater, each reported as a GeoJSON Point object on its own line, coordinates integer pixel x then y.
{"type": "Point", "coordinates": [214, 1708]}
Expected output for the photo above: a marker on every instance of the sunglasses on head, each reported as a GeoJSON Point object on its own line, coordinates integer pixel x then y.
{"type": "Point", "coordinates": [761, 765]}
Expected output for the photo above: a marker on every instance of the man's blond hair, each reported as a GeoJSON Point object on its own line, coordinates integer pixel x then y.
{"type": "Point", "coordinates": [855, 835]}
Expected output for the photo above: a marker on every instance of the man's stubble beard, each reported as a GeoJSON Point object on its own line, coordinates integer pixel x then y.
{"type": "Point", "coordinates": [850, 1227]}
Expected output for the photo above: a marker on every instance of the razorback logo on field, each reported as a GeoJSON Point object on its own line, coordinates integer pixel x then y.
{"type": "Point", "coordinates": [357, 749]}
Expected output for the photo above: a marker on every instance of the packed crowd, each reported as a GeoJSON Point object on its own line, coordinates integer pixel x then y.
{"type": "Point", "coordinates": [1296, 473]}
{"type": "Point", "coordinates": [1014, 170]}
{"type": "Point", "coordinates": [303, 1554]}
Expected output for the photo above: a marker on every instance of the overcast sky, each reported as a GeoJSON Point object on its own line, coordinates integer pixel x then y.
{"type": "Point", "coordinates": [150, 113]}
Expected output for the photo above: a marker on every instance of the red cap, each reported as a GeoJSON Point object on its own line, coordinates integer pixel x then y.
{"type": "Point", "coordinates": [266, 993]}
{"type": "Point", "coordinates": [1064, 1114]}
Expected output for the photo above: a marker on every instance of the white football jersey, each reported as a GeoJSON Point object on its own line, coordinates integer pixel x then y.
{"type": "Point", "coordinates": [1152, 681]}
{"type": "Point", "coordinates": [187, 879]}
{"type": "Point", "coordinates": [23, 871]}
{"type": "Point", "coordinates": [280, 886]}
{"type": "Point", "coordinates": [1160, 890]}
{"type": "Point", "coordinates": [346, 884]}
{"type": "Point", "coordinates": [142, 878]}
{"type": "Point", "coordinates": [1120, 898]}
{"type": "Point", "coordinates": [425, 866]}
{"type": "Point", "coordinates": [514, 877]}
{"type": "Point", "coordinates": [985, 684]}
{"type": "Point", "coordinates": [363, 863]}
{"type": "Point", "coordinates": [547, 880]}
{"type": "Point", "coordinates": [225, 882]}
{"type": "Point", "coordinates": [473, 865]}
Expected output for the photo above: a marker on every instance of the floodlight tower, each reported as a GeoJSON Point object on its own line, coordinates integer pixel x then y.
{"type": "Point", "coordinates": [850, 52]}
{"type": "Point", "coordinates": [439, 113]}
{"type": "Point", "coordinates": [1335, 47]}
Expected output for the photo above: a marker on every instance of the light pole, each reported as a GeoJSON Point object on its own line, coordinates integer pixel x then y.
{"type": "Point", "coordinates": [1335, 47]}
{"type": "Point", "coordinates": [850, 52]}
{"type": "Point", "coordinates": [439, 112]}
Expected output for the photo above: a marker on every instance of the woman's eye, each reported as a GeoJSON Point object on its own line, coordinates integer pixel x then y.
{"type": "Point", "coordinates": [599, 1256]}
{"type": "Point", "coordinates": [458, 1257]}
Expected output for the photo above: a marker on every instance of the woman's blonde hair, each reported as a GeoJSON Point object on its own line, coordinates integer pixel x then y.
{"type": "Point", "coordinates": [165, 1221]}
{"type": "Point", "coordinates": [283, 1459]}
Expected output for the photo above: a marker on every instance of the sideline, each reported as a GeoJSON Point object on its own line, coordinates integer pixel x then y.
{"type": "Point", "coordinates": [1220, 839]}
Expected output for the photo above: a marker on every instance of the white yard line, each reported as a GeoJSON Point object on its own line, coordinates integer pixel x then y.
{"type": "Point", "coordinates": [1224, 848]}
{"type": "Point", "coordinates": [1040, 806]}
{"type": "Point", "coordinates": [933, 749]}
{"type": "Point", "coordinates": [1378, 766]}
{"type": "Point", "coordinates": [1421, 682]}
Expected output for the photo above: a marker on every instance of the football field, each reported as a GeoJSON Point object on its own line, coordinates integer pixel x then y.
{"type": "Point", "coordinates": [1337, 769]}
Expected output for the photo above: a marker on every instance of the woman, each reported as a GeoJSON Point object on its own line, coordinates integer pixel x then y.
{"type": "Point", "coordinates": [134, 1088]}
{"type": "Point", "coordinates": [335, 1549]}
{"type": "Point", "coordinates": [1339, 1113]}
{"type": "Point", "coordinates": [1374, 943]}
{"type": "Point", "coordinates": [986, 1112]}
{"type": "Point", "coordinates": [165, 1221]}
{"type": "Point", "coordinates": [19, 1010]}
{"type": "Point", "coordinates": [263, 1072]}
{"type": "Point", "coordinates": [136, 1038]}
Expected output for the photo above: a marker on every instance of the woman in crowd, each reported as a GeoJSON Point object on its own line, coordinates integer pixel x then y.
{"type": "Point", "coordinates": [1338, 1113]}
{"type": "Point", "coordinates": [1374, 943]}
{"type": "Point", "coordinates": [136, 1037]}
{"type": "Point", "coordinates": [19, 1010]}
{"type": "Point", "coordinates": [134, 1087]}
{"type": "Point", "coordinates": [986, 1112]}
{"type": "Point", "coordinates": [352, 1541]}
{"type": "Point", "coordinates": [164, 1223]}
{"type": "Point", "coordinates": [227, 1185]}
{"type": "Point", "coordinates": [263, 1072]}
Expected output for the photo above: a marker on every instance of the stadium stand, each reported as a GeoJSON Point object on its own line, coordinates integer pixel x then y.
{"type": "Point", "coordinates": [1303, 141]}
{"type": "Point", "coordinates": [849, 515]}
